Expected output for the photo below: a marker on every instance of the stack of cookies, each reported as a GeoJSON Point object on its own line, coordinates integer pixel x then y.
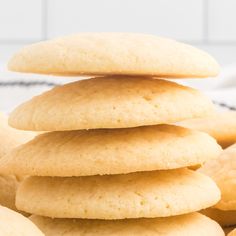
{"type": "Point", "coordinates": [110, 163]}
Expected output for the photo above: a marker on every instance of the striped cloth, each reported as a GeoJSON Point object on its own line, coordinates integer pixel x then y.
{"type": "Point", "coordinates": [16, 88]}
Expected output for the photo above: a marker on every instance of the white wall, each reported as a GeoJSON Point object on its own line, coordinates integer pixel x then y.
{"type": "Point", "coordinates": [208, 24]}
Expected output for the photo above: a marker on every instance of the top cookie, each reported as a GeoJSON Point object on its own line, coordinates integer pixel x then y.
{"type": "Point", "coordinates": [223, 172]}
{"type": "Point", "coordinates": [13, 223]}
{"type": "Point", "coordinates": [114, 54]}
{"type": "Point", "coordinates": [110, 102]}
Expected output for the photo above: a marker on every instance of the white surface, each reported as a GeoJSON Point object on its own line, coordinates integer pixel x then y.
{"type": "Point", "coordinates": [222, 20]}
{"type": "Point", "coordinates": [162, 17]}
{"type": "Point", "coordinates": [20, 19]}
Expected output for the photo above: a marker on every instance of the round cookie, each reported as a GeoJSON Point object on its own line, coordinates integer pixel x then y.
{"type": "Point", "coordinates": [223, 171]}
{"type": "Point", "coordinates": [136, 195]}
{"type": "Point", "coordinates": [224, 218]}
{"type": "Point", "coordinates": [12, 223]}
{"type": "Point", "coordinates": [111, 151]}
{"type": "Point", "coordinates": [193, 224]}
{"type": "Point", "coordinates": [221, 126]}
{"type": "Point", "coordinates": [112, 54]}
{"type": "Point", "coordinates": [10, 138]}
{"type": "Point", "coordinates": [112, 102]}
{"type": "Point", "coordinates": [232, 233]}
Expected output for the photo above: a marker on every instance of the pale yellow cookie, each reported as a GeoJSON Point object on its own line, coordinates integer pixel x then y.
{"type": "Point", "coordinates": [224, 218]}
{"type": "Point", "coordinates": [13, 223]}
{"type": "Point", "coordinates": [112, 102]}
{"type": "Point", "coordinates": [222, 126]}
{"type": "Point", "coordinates": [193, 224]}
{"type": "Point", "coordinates": [232, 233]}
{"type": "Point", "coordinates": [114, 53]}
{"type": "Point", "coordinates": [10, 138]}
{"type": "Point", "coordinates": [223, 172]}
{"type": "Point", "coordinates": [136, 195]}
{"type": "Point", "coordinates": [111, 151]}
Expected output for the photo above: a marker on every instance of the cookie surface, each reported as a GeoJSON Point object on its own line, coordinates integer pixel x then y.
{"type": "Point", "coordinates": [114, 53]}
{"type": "Point", "coordinates": [184, 225]}
{"type": "Point", "coordinates": [223, 171]}
{"type": "Point", "coordinates": [8, 187]}
{"type": "Point", "coordinates": [112, 102]}
{"type": "Point", "coordinates": [224, 218]}
{"type": "Point", "coordinates": [232, 233]}
{"type": "Point", "coordinates": [221, 126]}
{"type": "Point", "coordinates": [13, 223]}
{"type": "Point", "coordinates": [136, 195]}
{"type": "Point", "coordinates": [116, 151]}
{"type": "Point", "coordinates": [10, 138]}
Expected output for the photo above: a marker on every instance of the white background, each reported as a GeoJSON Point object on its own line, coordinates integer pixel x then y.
{"type": "Point", "coordinates": [208, 24]}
